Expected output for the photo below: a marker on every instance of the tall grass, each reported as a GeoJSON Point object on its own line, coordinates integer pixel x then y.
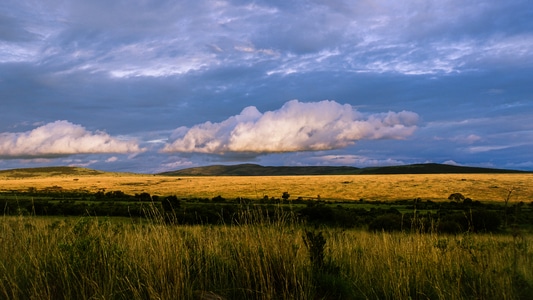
{"type": "Point", "coordinates": [95, 258]}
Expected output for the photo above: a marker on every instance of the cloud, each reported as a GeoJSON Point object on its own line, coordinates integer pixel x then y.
{"type": "Point", "coordinates": [451, 162]}
{"type": "Point", "coordinates": [296, 126]}
{"type": "Point", "coordinates": [61, 138]}
{"type": "Point", "coordinates": [350, 159]}
{"type": "Point", "coordinates": [111, 159]}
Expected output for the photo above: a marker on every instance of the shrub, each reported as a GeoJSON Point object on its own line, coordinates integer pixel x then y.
{"type": "Point", "coordinates": [457, 197]}
{"type": "Point", "coordinates": [386, 222]}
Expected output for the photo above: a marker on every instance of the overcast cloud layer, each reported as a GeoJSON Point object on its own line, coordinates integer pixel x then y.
{"type": "Point", "coordinates": [149, 86]}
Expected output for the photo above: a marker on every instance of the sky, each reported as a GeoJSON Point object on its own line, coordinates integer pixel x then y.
{"type": "Point", "coordinates": [151, 86]}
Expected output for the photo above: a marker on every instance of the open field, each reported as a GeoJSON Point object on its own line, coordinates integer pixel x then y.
{"type": "Point", "coordinates": [255, 255]}
{"type": "Point", "coordinates": [92, 258]}
{"type": "Point", "coordinates": [483, 187]}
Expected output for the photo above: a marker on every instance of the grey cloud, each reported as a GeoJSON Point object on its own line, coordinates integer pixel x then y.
{"type": "Point", "coordinates": [163, 38]}
{"type": "Point", "coordinates": [296, 126]}
{"type": "Point", "coordinates": [141, 68]}
{"type": "Point", "coordinates": [13, 30]}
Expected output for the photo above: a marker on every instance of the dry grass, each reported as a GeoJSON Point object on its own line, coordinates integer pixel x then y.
{"type": "Point", "coordinates": [483, 187]}
{"type": "Point", "coordinates": [89, 258]}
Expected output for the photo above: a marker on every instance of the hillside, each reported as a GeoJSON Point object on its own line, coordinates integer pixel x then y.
{"type": "Point", "coordinates": [258, 170]}
{"type": "Point", "coordinates": [48, 172]}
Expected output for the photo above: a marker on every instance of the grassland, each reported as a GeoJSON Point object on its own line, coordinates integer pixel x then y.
{"type": "Point", "coordinates": [277, 258]}
{"type": "Point", "coordinates": [91, 258]}
{"type": "Point", "coordinates": [435, 187]}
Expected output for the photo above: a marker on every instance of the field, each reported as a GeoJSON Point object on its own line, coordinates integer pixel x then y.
{"type": "Point", "coordinates": [96, 258]}
{"type": "Point", "coordinates": [263, 257]}
{"type": "Point", "coordinates": [483, 187]}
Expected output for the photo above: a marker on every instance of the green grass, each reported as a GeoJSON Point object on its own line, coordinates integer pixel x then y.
{"type": "Point", "coordinates": [99, 258]}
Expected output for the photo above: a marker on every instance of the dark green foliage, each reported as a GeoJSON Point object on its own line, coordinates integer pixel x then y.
{"type": "Point", "coordinates": [315, 243]}
{"type": "Point", "coordinates": [218, 199]}
{"type": "Point", "coordinates": [522, 287]}
{"type": "Point", "coordinates": [485, 220]}
{"type": "Point", "coordinates": [388, 222]}
{"type": "Point", "coordinates": [470, 220]}
{"type": "Point", "coordinates": [405, 215]}
{"type": "Point", "coordinates": [170, 203]}
{"type": "Point", "coordinates": [318, 213]}
{"type": "Point", "coordinates": [327, 278]}
{"type": "Point", "coordinates": [143, 196]}
{"type": "Point", "coordinates": [457, 197]}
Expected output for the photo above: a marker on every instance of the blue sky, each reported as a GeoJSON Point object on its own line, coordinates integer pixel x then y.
{"type": "Point", "coordinates": [151, 86]}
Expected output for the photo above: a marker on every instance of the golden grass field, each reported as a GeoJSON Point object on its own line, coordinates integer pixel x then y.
{"type": "Point", "coordinates": [483, 187]}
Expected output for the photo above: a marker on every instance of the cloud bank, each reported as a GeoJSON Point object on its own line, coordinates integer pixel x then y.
{"type": "Point", "coordinates": [296, 126]}
{"type": "Point", "coordinates": [61, 138]}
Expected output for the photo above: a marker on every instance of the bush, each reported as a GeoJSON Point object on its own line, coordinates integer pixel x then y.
{"type": "Point", "coordinates": [387, 222]}
{"type": "Point", "coordinates": [485, 220]}
{"type": "Point", "coordinates": [457, 197]}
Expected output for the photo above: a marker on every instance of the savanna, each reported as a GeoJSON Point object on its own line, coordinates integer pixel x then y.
{"type": "Point", "coordinates": [101, 257]}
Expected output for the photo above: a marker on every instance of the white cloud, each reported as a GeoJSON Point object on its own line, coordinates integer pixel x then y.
{"type": "Point", "coordinates": [479, 149]}
{"type": "Point", "coordinates": [176, 164]}
{"type": "Point", "coordinates": [61, 138]}
{"type": "Point", "coordinates": [83, 164]}
{"type": "Point", "coordinates": [112, 159]}
{"type": "Point", "coordinates": [451, 162]}
{"type": "Point", "coordinates": [296, 126]}
{"type": "Point", "coordinates": [360, 161]}
{"type": "Point", "coordinates": [470, 139]}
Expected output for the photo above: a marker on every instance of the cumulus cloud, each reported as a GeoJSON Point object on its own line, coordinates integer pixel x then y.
{"type": "Point", "coordinates": [61, 138]}
{"type": "Point", "coordinates": [296, 126]}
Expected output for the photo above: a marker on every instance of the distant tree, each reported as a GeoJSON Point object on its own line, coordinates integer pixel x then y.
{"type": "Point", "coordinates": [285, 196]}
{"type": "Point", "coordinates": [143, 196]}
{"type": "Point", "coordinates": [218, 199]}
{"type": "Point", "coordinates": [116, 195]}
{"type": "Point", "coordinates": [457, 197]}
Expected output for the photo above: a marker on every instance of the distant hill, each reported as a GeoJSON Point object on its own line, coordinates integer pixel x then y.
{"type": "Point", "coordinates": [258, 170]}
{"type": "Point", "coordinates": [48, 172]}
{"type": "Point", "coordinates": [433, 169]}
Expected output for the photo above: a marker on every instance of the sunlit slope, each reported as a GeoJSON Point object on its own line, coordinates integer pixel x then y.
{"type": "Point", "coordinates": [47, 172]}
{"type": "Point", "coordinates": [483, 187]}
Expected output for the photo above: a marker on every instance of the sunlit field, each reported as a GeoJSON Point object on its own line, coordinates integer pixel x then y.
{"type": "Point", "coordinates": [483, 187]}
{"type": "Point", "coordinates": [262, 256]}
{"type": "Point", "coordinates": [99, 258]}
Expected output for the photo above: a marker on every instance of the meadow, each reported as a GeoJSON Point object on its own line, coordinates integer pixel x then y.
{"type": "Point", "coordinates": [259, 257]}
{"type": "Point", "coordinates": [436, 187]}
{"type": "Point", "coordinates": [99, 258]}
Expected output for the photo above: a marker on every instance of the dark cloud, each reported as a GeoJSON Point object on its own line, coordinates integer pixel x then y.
{"type": "Point", "coordinates": [13, 30]}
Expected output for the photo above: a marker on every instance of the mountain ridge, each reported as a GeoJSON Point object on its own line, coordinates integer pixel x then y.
{"type": "Point", "coordinates": [258, 170]}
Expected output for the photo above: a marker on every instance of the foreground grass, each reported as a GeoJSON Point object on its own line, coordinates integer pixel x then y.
{"type": "Point", "coordinates": [93, 258]}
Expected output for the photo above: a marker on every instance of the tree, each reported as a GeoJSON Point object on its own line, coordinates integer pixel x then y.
{"type": "Point", "coordinates": [457, 197]}
{"type": "Point", "coordinates": [285, 196]}
{"type": "Point", "coordinates": [143, 196]}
